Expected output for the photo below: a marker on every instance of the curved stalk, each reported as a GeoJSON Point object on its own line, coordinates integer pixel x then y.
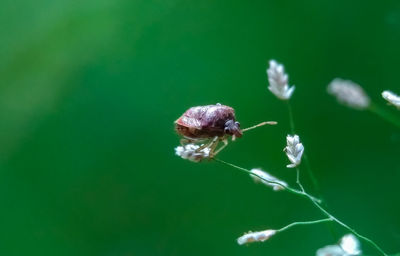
{"type": "Point", "coordinates": [304, 223]}
{"type": "Point", "coordinates": [287, 188]}
{"type": "Point", "coordinates": [315, 201]}
{"type": "Point", "coordinates": [307, 162]}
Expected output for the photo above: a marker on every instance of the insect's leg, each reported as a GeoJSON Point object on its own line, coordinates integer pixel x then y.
{"type": "Point", "coordinates": [206, 144]}
{"type": "Point", "coordinates": [214, 145]}
{"type": "Point", "coordinates": [225, 141]}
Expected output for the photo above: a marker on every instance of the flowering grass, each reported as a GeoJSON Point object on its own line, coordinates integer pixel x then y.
{"type": "Point", "coordinates": [347, 93]}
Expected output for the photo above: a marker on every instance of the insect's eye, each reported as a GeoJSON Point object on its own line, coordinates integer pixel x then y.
{"type": "Point", "coordinates": [238, 124]}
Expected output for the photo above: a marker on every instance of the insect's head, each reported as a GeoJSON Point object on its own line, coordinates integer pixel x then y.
{"type": "Point", "coordinates": [233, 128]}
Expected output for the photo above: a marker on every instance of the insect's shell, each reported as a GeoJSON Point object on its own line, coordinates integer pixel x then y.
{"type": "Point", "coordinates": [204, 121]}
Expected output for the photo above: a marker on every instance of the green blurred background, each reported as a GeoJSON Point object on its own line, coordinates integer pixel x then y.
{"type": "Point", "coordinates": [89, 92]}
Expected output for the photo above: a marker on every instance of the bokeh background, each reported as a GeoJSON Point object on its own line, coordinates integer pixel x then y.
{"type": "Point", "coordinates": [89, 91]}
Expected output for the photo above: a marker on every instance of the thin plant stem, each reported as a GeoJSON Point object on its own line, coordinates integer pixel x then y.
{"type": "Point", "coordinates": [304, 223]}
{"type": "Point", "coordinates": [298, 176]}
{"type": "Point", "coordinates": [307, 162]}
{"type": "Point", "coordinates": [287, 188]}
{"type": "Point", "coordinates": [303, 193]}
{"type": "Point", "coordinates": [330, 216]}
{"type": "Point", "coordinates": [303, 190]}
{"type": "Point", "coordinates": [298, 180]}
{"type": "Point", "coordinates": [384, 114]}
{"type": "Point", "coordinates": [347, 227]}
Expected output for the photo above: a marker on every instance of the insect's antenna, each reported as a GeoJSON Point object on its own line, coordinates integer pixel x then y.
{"type": "Point", "coordinates": [258, 125]}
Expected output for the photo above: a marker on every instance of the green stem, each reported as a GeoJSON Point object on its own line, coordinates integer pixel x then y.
{"type": "Point", "coordinates": [315, 201]}
{"type": "Point", "coordinates": [347, 227]}
{"type": "Point", "coordinates": [304, 223]}
{"type": "Point", "coordinates": [307, 162]}
{"type": "Point", "coordinates": [330, 216]}
{"type": "Point", "coordinates": [384, 114]}
{"type": "Point", "coordinates": [298, 176]}
{"type": "Point", "coordinates": [287, 188]}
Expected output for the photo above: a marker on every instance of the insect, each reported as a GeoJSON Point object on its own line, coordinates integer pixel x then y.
{"type": "Point", "coordinates": [210, 125]}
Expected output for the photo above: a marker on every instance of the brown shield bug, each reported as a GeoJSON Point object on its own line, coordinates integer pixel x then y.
{"type": "Point", "coordinates": [212, 123]}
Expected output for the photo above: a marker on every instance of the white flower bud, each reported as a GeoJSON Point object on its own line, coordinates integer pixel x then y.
{"type": "Point", "coordinates": [191, 152]}
{"type": "Point", "coordinates": [348, 246]}
{"type": "Point", "coordinates": [256, 236]}
{"type": "Point", "coordinates": [391, 98]}
{"type": "Point", "coordinates": [266, 176]}
{"type": "Point", "coordinates": [331, 250]}
{"type": "Point", "coordinates": [349, 93]}
{"type": "Point", "coordinates": [278, 81]}
{"type": "Point", "coordinates": [294, 150]}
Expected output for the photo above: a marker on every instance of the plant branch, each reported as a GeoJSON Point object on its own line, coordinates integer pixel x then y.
{"type": "Point", "coordinates": [307, 162]}
{"type": "Point", "coordinates": [287, 188]}
{"type": "Point", "coordinates": [330, 216]}
{"type": "Point", "coordinates": [347, 227]}
{"type": "Point", "coordinates": [304, 223]}
{"type": "Point", "coordinates": [315, 201]}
